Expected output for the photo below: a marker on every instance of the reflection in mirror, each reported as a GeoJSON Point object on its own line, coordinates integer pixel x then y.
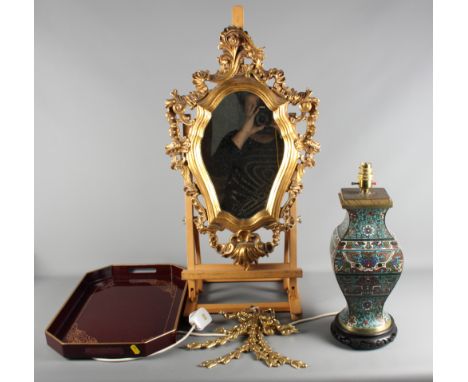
{"type": "Point", "coordinates": [242, 149]}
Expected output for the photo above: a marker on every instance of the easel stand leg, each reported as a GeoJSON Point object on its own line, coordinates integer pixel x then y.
{"type": "Point", "coordinates": [290, 253]}
{"type": "Point", "coordinates": [191, 235]}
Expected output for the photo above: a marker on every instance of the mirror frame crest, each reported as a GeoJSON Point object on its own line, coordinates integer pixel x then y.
{"type": "Point", "coordinates": [241, 69]}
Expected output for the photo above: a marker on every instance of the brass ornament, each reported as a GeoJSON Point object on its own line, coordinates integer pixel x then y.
{"type": "Point", "coordinates": [241, 68]}
{"type": "Point", "coordinates": [255, 324]}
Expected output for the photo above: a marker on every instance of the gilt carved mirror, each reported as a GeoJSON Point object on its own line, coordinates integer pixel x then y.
{"type": "Point", "coordinates": [242, 151]}
{"type": "Point", "coordinates": [242, 139]}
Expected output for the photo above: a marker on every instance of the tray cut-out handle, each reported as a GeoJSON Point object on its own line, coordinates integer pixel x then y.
{"type": "Point", "coordinates": [142, 270]}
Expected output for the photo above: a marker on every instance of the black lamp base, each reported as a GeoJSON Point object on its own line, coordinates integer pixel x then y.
{"type": "Point", "coordinates": [363, 342]}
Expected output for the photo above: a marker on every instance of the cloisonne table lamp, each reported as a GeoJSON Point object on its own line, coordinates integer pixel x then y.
{"type": "Point", "coordinates": [367, 262]}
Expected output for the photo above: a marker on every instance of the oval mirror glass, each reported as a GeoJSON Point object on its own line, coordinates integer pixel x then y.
{"type": "Point", "coordinates": [242, 149]}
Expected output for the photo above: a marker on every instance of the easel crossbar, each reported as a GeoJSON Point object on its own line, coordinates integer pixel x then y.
{"type": "Point", "coordinates": [255, 272]}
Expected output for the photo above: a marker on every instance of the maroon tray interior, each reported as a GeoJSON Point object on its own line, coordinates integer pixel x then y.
{"type": "Point", "coordinates": [120, 311]}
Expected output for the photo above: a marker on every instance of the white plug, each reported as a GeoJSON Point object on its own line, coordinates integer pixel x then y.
{"type": "Point", "coordinates": [200, 318]}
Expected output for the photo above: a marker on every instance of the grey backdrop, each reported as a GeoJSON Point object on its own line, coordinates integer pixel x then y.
{"type": "Point", "coordinates": [104, 190]}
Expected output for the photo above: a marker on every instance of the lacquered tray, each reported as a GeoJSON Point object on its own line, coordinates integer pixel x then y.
{"type": "Point", "coordinates": [120, 311]}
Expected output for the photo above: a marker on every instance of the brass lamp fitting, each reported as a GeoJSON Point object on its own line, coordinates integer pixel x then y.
{"type": "Point", "coordinates": [365, 176]}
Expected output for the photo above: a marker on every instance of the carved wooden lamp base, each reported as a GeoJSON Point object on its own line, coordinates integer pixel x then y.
{"type": "Point", "coordinates": [363, 342]}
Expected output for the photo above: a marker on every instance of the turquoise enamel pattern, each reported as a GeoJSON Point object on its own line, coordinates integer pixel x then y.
{"type": "Point", "coordinates": [367, 262]}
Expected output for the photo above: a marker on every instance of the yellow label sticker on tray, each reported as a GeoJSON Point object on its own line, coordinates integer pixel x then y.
{"type": "Point", "coordinates": [135, 349]}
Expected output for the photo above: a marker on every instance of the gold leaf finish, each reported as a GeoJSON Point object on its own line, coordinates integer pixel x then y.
{"type": "Point", "coordinates": [245, 247]}
{"type": "Point", "coordinates": [77, 336]}
{"type": "Point", "coordinates": [241, 69]}
{"type": "Point", "coordinates": [255, 324]}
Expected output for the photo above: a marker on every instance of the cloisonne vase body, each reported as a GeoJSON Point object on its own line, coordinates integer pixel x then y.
{"type": "Point", "coordinates": [367, 262]}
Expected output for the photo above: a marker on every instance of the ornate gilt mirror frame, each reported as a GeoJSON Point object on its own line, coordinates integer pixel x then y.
{"type": "Point", "coordinates": [241, 69]}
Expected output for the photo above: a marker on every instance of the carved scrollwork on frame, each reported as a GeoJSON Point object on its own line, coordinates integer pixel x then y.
{"type": "Point", "coordinates": [241, 65]}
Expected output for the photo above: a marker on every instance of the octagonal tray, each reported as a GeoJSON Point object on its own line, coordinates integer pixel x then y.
{"type": "Point", "coordinates": [120, 311]}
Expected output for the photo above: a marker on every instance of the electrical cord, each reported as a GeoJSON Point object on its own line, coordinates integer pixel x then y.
{"type": "Point", "coordinates": [151, 355]}
{"type": "Point", "coordinates": [201, 326]}
{"type": "Point", "coordinates": [297, 322]}
{"type": "Point", "coordinates": [317, 317]}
